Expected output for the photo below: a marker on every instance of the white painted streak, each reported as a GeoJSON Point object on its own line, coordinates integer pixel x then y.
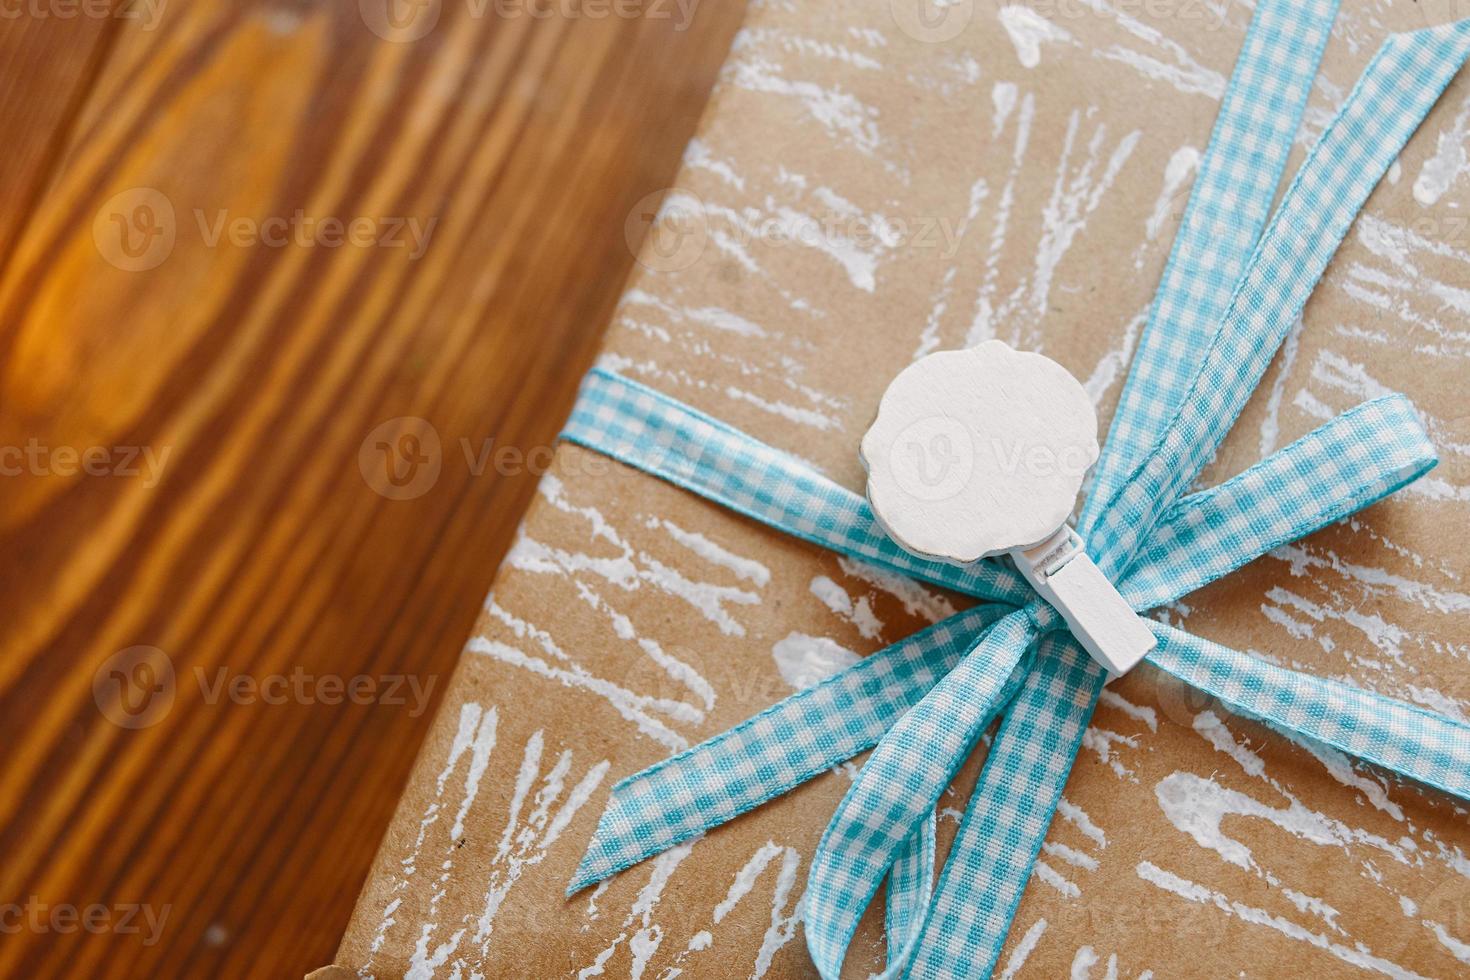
{"type": "Point", "coordinates": [1071, 855]}
{"type": "Point", "coordinates": [1083, 963]}
{"type": "Point", "coordinates": [917, 598]}
{"type": "Point", "coordinates": [1078, 817]}
{"type": "Point", "coordinates": [1459, 950]}
{"type": "Point", "coordinates": [782, 927]}
{"type": "Point", "coordinates": [1074, 198]}
{"type": "Point", "coordinates": [1198, 806]}
{"type": "Point", "coordinates": [1340, 768]}
{"type": "Point", "coordinates": [1359, 956]}
{"type": "Point", "coordinates": [634, 707]}
{"type": "Point", "coordinates": [839, 112]}
{"type": "Point", "coordinates": [1448, 162]}
{"type": "Point", "coordinates": [1101, 741]}
{"type": "Point", "coordinates": [1162, 58]}
{"type": "Point", "coordinates": [805, 660]}
{"type": "Point", "coordinates": [524, 844]}
{"type": "Point", "coordinates": [1003, 99]}
{"type": "Point", "coordinates": [697, 155]}
{"type": "Point", "coordinates": [644, 942]}
{"type": "Point", "coordinates": [484, 744]}
{"type": "Point", "coordinates": [1172, 196]}
{"type": "Point", "coordinates": [1046, 873]}
{"type": "Point", "coordinates": [1024, 949]}
{"type": "Point", "coordinates": [1137, 712]}
{"type": "Point", "coordinates": [1028, 30]}
{"type": "Point", "coordinates": [745, 568]}
{"type": "Point", "coordinates": [791, 413]}
{"type": "Point", "coordinates": [988, 310]}
{"type": "Point", "coordinates": [622, 570]}
{"type": "Point", "coordinates": [859, 613]}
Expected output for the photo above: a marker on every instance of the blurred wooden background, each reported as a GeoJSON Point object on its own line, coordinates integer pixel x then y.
{"type": "Point", "coordinates": [196, 487]}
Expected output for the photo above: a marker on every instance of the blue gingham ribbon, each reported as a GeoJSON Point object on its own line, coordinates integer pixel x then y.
{"type": "Point", "coordinates": [1234, 285]}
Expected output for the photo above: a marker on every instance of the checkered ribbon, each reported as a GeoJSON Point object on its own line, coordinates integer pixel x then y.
{"type": "Point", "coordinates": [1233, 287]}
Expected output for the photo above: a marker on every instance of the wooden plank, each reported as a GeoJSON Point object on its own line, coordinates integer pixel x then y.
{"type": "Point", "coordinates": [50, 52]}
{"type": "Point", "coordinates": [178, 302]}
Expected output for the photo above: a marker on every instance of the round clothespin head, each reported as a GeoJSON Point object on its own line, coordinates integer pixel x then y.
{"type": "Point", "coordinates": [977, 452]}
{"type": "Point", "coordinates": [982, 451]}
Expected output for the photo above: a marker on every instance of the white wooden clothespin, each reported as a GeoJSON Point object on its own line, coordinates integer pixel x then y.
{"type": "Point", "coordinates": [982, 451]}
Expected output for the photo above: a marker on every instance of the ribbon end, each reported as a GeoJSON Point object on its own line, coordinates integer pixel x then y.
{"type": "Point", "coordinates": [588, 873]}
{"type": "Point", "coordinates": [605, 855]}
{"type": "Point", "coordinates": [628, 832]}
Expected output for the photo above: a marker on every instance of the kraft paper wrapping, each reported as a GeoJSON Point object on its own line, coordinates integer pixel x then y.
{"type": "Point", "coordinates": [865, 189]}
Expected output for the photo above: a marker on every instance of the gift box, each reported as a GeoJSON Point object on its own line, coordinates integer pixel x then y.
{"type": "Point", "coordinates": [871, 183]}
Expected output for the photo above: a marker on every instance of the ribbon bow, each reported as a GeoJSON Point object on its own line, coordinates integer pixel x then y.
{"type": "Point", "coordinates": [1233, 287]}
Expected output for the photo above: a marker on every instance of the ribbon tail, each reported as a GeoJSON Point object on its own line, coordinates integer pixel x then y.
{"type": "Point", "coordinates": [775, 751]}
{"type": "Point", "coordinates": [1007, 819]}
{"type": "Point", "coordinates": [1398, 88]}
{"type": "Point", "coordinates": [1419, 744]}
{"type": "Point", "coordinates": [910, 885]}
{"type": "Point", "coordinates": [1238, 178]}
{"type": "Point", "coordinates": [899, 787]}
{"type": "Point", "coordinates": [1355, 460]}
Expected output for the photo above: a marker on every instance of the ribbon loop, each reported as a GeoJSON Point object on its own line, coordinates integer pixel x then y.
{"type": "Point", "coordinates": [1399, 86]}
{"type": "Point", "coordinates": [900, 784]}
{"type": "Point", "coordinates": [1364, 454]}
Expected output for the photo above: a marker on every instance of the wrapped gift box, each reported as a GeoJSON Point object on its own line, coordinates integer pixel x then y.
{"type": "Point", "coordinates": [868, 185]}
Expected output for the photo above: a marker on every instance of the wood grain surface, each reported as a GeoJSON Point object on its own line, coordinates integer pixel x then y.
{"type": "Point", "coordinates": [257, 259]}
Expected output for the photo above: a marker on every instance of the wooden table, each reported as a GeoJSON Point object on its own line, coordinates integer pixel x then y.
{"type": "Point", "coordinates": [237, 241]}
